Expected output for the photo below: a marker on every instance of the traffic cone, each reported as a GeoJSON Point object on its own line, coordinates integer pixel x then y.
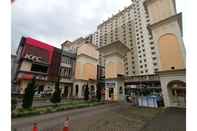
{"type": "Point", "coordinates": [66, 124]}
{"type": "Point", "coordinates": [35, 128]}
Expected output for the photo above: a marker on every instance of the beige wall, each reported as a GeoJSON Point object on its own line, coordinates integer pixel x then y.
{"type": "Point", "coordinates": [90, 71]}
{"type": "Point", "coordinates": [25, 66]}
{"type": "Point", "coordinates": [89, 50]}
{"type": "Point", "coordinates": [86, 63]}
{"type": "Point", "coordinates": [86, 71]}
{"type": "Point", "coordinates": [113, 69]}
{"type": "Point", "coordinates": [23, 85]}
{"type": "Point", "coordinates": [161, 9]}
{"type": "Point", "coordinates": [165, 79]}
{"type": "Point", "coordinates": [78, 71]}
{"type": "Point", "coordinates": [170, 53]}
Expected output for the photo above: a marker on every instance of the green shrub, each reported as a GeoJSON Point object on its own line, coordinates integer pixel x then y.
{"type": "Point", "coordinates": [13, 104]}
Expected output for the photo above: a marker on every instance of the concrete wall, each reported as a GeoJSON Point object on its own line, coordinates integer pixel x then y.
{"type": "Point", "coordinates": [81, 88]}
{"type": "Point", "coordinates": [160, 9]}
{"type": "Point", "coordinates": [170, 53]}
{"type": "Point", "coordinates": [114, 66]}
{"type": "Point", "coordinates": [25, 66]}
{"type": "Point", "coordinates": [165, 80]}
{"type": "Point", "coordinates": [86, 62]}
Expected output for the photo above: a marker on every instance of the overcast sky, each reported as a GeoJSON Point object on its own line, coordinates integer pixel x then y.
{"type": "Point", "coordinates": [54, 21]}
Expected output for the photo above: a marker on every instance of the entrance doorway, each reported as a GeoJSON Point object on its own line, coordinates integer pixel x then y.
{"type": "Point", "coordinates": [177, 93]}
{"type": "Point", "coordinates": [66, 91]}
{"type": "Point", "coordinates": [111, 93]}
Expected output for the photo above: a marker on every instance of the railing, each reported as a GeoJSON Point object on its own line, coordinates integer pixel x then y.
{"type": "Point", "coordinates": [142, 78]}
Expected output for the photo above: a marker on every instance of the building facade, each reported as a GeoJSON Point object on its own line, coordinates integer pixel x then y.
{"type": "Point", "coordinates": [166, 28]}
{"type": "Point", "coordinates": [130, 27]}
{"type": "Point", "coordinates": [67, 70]}
{"type": "Point", "coordinates": [86, 70]}
{"type": "Point", "coordinates": [13, 74]}
{"type": "Point", "coordinates": [39, 60]}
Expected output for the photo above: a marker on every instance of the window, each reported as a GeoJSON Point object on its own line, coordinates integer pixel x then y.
{"type": "Point", "coordinates": [154, 58]}
{"type": "Point", "coordinates": [156, 70]}
{"type": "Point", "coordinates": [152, 48]}
{"type": "Point", "coordinates": [121, 90]}
{"type": "Point", "coordinates": [39, 68]}
{"type": "Point", "coordinates": [154, 64]}
{"type": "Point", "coordinates": [76, 90]}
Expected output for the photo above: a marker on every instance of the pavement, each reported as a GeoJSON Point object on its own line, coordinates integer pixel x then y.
{"type": "Point", "coordinates": [171, 119]}
{"type": "Point", "coordinates": [108, 117]}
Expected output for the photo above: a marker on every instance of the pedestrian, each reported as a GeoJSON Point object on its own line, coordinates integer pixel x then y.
{"type": "Point", "coordinates": [35, 128]}
{"type": "Point", "coordinates": [66, 124]}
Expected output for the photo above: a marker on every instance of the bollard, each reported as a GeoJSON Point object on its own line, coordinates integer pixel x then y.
{"type": "Point", "coordinates": [35, 128]}
{"type": "Point", "coordinates": [66, 124]}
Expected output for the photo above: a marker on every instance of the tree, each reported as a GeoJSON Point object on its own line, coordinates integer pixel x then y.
{"type": "Point", "coordinates": [13, 104]}
{"type": "Point", "coordinates": [56, 97]}
{"type": "Point", "coordinates": [29, 94]}
{"type": "Point", "coordinates": [98, 92]}
{"type": "Point", "coordinates": [86, 93]}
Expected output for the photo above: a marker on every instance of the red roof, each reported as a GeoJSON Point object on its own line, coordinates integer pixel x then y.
{"type": "Point", "coordinates": [41, 45]}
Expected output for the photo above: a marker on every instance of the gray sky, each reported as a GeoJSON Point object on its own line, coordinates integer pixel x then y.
{"type": "Point", "coordinates": [54, 21]}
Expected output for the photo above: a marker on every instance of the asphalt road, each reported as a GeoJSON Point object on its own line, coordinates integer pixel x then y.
{"type": "Point", "coordinates": [109, 117]}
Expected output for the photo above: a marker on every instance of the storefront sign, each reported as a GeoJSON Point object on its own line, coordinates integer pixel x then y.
{"type": "Point", "coordinates": [110, 84]}
{"type": "Point", "coordinates": [34, 58]}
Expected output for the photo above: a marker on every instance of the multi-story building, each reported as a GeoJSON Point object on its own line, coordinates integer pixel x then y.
{"type": "Point", "coordinates": [74, 67]}
{"type": "Point", "coordinates": [39, 60]}
{"type": "Point", "coordinates": [166, 28]}
{"type": "Point", "coordinates": [86, 70]}
{"type": "Point", "coordinates": [85, 66]}
{"type": "Point", "coordinates": [67, 70]}
{"type": "Point", "coordinates": [130, 27]}
{"type": "Point", "coordinates": [13, 73]}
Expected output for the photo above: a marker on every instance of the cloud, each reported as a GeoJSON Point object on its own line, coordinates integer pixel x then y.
{"type": "Point", "coordinates": [54, 21]}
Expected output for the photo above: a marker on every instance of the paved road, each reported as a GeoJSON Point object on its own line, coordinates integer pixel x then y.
{"type": "Point", "coordinates": [172, 119]}
{"type": "Point", "coordinates": [111, 117]}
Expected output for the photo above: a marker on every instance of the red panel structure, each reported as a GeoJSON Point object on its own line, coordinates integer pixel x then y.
{"type": "Point", "coordinates": [41, 45]}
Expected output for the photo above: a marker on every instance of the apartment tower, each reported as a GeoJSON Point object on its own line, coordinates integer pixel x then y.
{"type": "Point", "coordinates": [130, 27]}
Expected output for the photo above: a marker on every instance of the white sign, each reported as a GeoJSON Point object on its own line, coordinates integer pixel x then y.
{"type": "Point", "coordinates": [33, 58]}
